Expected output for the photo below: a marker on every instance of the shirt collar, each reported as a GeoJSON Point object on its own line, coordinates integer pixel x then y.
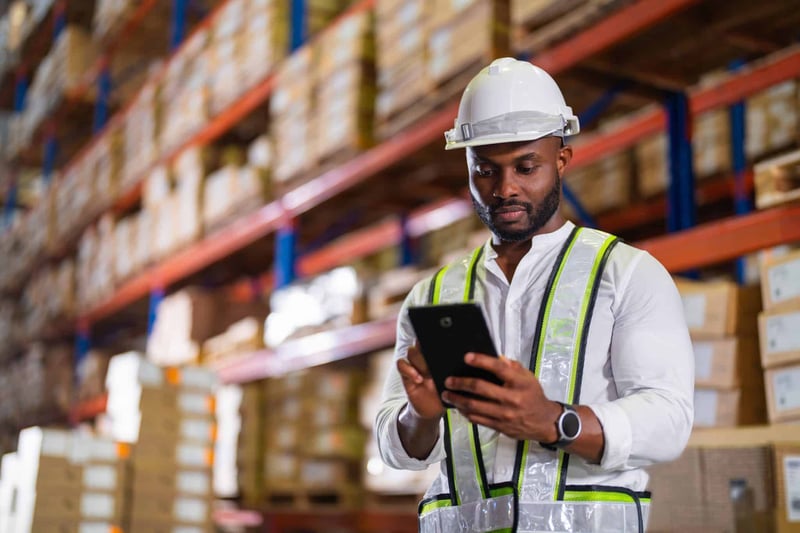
{"type": "Point", "coordinates": [541, 241]}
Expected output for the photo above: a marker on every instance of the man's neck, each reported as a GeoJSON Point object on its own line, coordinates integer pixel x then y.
{"type": "Point", "coordinates": [510, 253]}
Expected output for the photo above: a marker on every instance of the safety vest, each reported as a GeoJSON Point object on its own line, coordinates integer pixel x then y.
{"type": "Point", "coordinates": [537, 498]}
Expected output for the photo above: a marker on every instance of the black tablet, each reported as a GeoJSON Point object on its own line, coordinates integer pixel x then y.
{"type": "Point", "coordinates": [446, 333]}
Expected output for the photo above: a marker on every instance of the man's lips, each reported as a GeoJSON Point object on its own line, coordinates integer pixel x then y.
{"type": "Point", "coordinates": [509, 213]}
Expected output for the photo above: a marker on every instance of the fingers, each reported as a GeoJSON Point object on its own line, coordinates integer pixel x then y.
{"type": "Point", "coordinates": [415, 357]}
{"type": "Point", "coordinates": [408, 372]}
{"type": "Point", "coordinates": [504, 368]}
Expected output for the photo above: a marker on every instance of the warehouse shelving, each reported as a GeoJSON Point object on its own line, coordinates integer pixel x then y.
{"type": "Point", "coordinates": [704, 245]}
{"type": "Point", "coordinates": [269, 218]}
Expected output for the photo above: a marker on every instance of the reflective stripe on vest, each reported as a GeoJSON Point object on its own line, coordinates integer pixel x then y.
{"type": "Point", "coordinates": [539, 499]}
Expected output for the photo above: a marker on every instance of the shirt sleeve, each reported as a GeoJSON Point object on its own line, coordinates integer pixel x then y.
{"type": "Point", "coordinates": [652, 362]}
{"type": "Point", "coordinates": [394, 398]}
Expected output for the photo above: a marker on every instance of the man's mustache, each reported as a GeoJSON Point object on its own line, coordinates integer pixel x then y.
{"type": "Point", "coordinates": [510, 203]}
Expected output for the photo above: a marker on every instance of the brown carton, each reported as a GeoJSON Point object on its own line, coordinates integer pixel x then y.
{"type": "Point", "coordinates": [780, 281]}
{"type": "Point", "coordinates": [716, 309]}
{"type": "Point", "coordinates": [719, 408]}
{"type": "Point", "coordinates": [787, 488]}
{"type": "Point", "coordinates": [726, 363]}
{"type": "Point", "coordinates": [779, 334]}
{"type": "Point", "coordinates": [783, 393]}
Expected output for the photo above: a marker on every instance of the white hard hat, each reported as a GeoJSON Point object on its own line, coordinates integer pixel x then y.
{"type": "Point", "coordinates": [508, 101]}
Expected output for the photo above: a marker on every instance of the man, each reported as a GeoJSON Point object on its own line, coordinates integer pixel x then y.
{"type": "Point", "coordinates": [597, 367]}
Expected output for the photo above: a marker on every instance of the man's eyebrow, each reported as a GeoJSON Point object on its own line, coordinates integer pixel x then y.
{"type": "Point", "coordinates": [530, 156]}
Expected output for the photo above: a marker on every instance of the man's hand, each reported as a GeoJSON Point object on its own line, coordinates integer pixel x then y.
{"type": "Point", "coordinates": [518, 408]}
{"type": "Point", "coordinates": [420, 388]}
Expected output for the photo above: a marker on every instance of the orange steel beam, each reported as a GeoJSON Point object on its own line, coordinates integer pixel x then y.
{"type": "Point", "coordinates": [726, 239]}
{"type": "Point", "coordinates": [88, 409]}
{"type": "Point", "coordinates": [312, 350]}
{"type": "Point", "coordinates": [621, 25]}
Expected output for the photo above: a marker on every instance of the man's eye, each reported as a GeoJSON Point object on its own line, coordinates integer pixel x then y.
{"type": "Point", "coordinates": [484, 171]}
{"type": "Point", "coordinates": [526, 169]}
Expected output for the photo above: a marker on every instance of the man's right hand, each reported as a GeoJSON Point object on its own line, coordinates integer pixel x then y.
{"type": "Point", "coordinates": [420, 388]}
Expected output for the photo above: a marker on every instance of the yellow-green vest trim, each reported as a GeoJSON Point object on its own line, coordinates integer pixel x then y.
{"type": "Point", "coordinates": [537, 498]}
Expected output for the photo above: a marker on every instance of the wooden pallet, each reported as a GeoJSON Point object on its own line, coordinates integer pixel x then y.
{"type": "Point", "coordinates": [344, 497]}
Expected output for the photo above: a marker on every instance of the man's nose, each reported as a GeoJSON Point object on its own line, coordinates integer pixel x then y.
{"type": "Point", "coordinates": [506, 186]}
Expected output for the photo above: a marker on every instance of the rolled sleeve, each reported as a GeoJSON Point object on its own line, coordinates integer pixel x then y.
{"type": "Point", "coordinates": [617, 433]}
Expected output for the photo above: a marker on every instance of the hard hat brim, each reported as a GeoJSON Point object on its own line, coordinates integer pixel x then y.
{"type": "Point", "coordinates": [499, 139]}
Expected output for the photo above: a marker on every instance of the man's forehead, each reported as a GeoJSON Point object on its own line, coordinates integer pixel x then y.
{"type": "Point", "coordinates": [536, 149]}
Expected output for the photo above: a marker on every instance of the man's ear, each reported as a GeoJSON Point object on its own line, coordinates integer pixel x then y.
{"type": "Point", "coordinates": [564, 157]}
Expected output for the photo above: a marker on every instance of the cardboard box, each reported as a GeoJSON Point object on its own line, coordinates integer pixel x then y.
{"type": "Point", "coordinates": [711, 143]}
{"type": "Point", "coordinates": [652, 172]}
{"type": "Point", "coordinates": [603, 185]}
{"type": "Point", "coordinates": [779, 334]}
{"type": "Point", "coordinates": [777, 180]}
{"type": "Point", "coordinates": [783, 393]}
{"type": "Point", "coordinates": [787, 488]}
{"type": "Point", "coordinates": [726, 363]}
{"type": "Point", "coordinates": [715, 407]}
{"type": "Point", "coordinates": [148, 480]}
{"type": "Point", "coordinates": [780, 285]}
{"type": "Point", "coordinates": [716, 309]}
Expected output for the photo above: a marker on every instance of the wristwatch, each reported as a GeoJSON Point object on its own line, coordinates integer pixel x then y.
{"type": "Point", "coordinates": [568, 428]}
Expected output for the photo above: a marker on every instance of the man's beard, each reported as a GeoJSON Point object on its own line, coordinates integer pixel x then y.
{"type": "Point", "coordinates": [537, 217]}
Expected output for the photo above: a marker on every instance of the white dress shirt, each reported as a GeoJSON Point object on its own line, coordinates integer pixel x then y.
{"type": "Point", "coordinates": [638, 374]}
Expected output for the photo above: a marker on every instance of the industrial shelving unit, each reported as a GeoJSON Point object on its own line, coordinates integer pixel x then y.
{"type": "Point", "coordinates": [704, 245]}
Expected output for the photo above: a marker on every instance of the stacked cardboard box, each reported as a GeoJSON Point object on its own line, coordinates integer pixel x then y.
{"type": "Point", "coordinates": [772, 119]}
{"type": "Point", "coordinates": [235, 189]}
{"type": "Point", "coordinates": [140, 136]}
{"type": "Point", "coordinates": [48, 486]}
{"type": "Point", "coordinates": [711, 143]}
{"type": "Point", "coordinates": [250, 449]}
{"type": "Point", "coordinates": [8, 329]}
{"type": "Point", "coordinates": [61, 70]}
{"type": "Point", "coordinates": [777, 180]}
{"type": "Point", "coordinates": [321, 13]}
{"type": "Point", "coordinates": [601, 186]}
{"type": "Point", "coordinates": [48, 297]}
{"type": "Point", "coordinates": [787, 487]}
{"type": "Point", "coordinates": [401, 30]}
{"type": "Point", "coordinates": [292, 117]}
{"type": "Point", "coordinates": [169, 414]}
{"type": "Point", "coordinates": [189, 317]}
{"type": "Point", "coordinates": [95, 267]}
{"type": "Point", "coordinates": [228, 403]}
{"type": "Point", "coordinates": [726, 487]}
{"type": "Point", "coordinates": [482, 23]}
{"type": "Point", "coordinates": [313, 440]}
{"type": "Point", "coordinates": [779, 327]}
{"type": "Point", "coordinates": [264, 39]}
{"type": "Point", "coordinates": [652, 171]}
{"type": "Point", "coordinates": [105, 487]}
{"type": "Point", "coordinates": [223, 55]}
{"type": "Point", "coordinates": [184, 92]}
{"type": "Point", "coordinates": [90, 375]}
{"type": "Point", "coordinates": [722, 322]}
{"type": "Point", "coordinates": [327, 301]}
{"type": "Point", "coordinates": [345, 78]}
{"type": "Point", "coordinates": [41, 382]}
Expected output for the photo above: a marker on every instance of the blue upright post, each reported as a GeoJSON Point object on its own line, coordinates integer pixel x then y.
{"type": "Point", "coordinates": [50, 154]}
{"type": "Point", "coordinates": [20, 91]}
{"type": "Point", "coordinates": [299, 24]}
{"type": "Point", "coordinates": [585, 118]}
{"type": "Point", "coordinates": [681, 199]}
{"type": "Point", "coordinates": [285, 255]}
{"type": "Point", "coordinates": [737, 114]}
{"type": "Point", "coordinates": [83, 343]}
{"type": "Point", "coordinates": [11, 204]}
{"type": "Point", "coordinates": [156, 296]}
{"type": "Point", "coordinates": [178, 29]}
{"type": "Point", "coordinates": [407, 255]}
{"type": "Point", "coordinates": [103, 95]}
{"type": "Point", "coordinates": [60, 20]}
{"type": "Point", "coordinates": [583, 215]}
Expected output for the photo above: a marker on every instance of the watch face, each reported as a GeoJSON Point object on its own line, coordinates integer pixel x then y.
{"type": "Point", "coordinates": [570, 424]}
